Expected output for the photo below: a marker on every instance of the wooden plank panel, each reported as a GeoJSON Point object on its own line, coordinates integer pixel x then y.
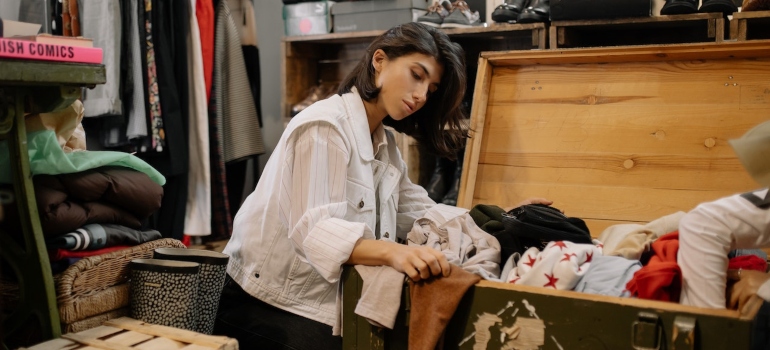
{"type": "Point", "coordinates": [622, 54]}
{"type": "Point", "coordinates": [474, 144]}
{"type": "Point", "coordinates": [627, 136]}
{"type": "Point", "coordinates": [641, 81]}
{"type": "Point", "coordinates": [662, 172]}
{"type": "Point", "coordinates": [597, 202]}
{"type": "Point", "coordinates": [129, 338]}
{"type": "Point", "coordinates": [638, 105]}
{"type": "Point", "coordinates": [160, 344]}
{"type": "Point", "coordinates": [58, 343]}
{"type": "Point", "coordinates": [99, 332]}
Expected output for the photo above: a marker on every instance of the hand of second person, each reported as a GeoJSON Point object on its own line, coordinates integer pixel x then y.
{"type": "Point", "coordinates": [419, 262]}
{"type": "Point", "coordinates": [534, 200]}
{"type": "Point", "coordinates": [747, 284]}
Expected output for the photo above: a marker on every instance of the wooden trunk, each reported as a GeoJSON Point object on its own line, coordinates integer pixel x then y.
{"type": "Point", "coordinates": [611, 135]}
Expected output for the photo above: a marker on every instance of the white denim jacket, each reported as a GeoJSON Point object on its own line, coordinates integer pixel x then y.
{"type": "Point", "coordinates": [315, 199]}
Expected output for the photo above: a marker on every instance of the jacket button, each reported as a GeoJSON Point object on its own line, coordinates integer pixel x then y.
{"type": "Point", "coordinates": [360, 204]}
{"type": "Point", "coordinates": [387, 235]}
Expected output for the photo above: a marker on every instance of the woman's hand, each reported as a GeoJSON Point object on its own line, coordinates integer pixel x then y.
{"type": "Point", "coordinates": [542, 201]}
{"type": "Point", "coordinates": [418, 263]}
{"type": "Point", "coordinates": [747, 284]}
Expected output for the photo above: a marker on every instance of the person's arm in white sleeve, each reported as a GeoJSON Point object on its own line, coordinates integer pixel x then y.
{"type": "Point", "coordinates": [313, 205]}
{"type": "Point", "coordinates": [313, 199]}
{"type": "Point", "coordinates": [706, 235]}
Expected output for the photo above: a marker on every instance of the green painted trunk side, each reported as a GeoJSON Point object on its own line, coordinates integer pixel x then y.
{"type": "Point", "coordinates": [569, 323]}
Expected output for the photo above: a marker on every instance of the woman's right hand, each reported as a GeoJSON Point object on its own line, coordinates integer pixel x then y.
{"type": "Point", "coordinates": [418, 262]}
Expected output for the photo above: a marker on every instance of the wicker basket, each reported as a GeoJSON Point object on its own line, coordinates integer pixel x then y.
{"type": "Point", "coordinates": [94, 321]}
{"type": "Point", "coordinates": [93, 286]}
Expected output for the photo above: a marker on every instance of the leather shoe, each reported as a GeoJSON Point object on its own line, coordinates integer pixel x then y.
{"type": "Point", "coordinates": [537, 11]}
{"type": "Point", "coordinates": [726, 7]}
{"type": "Point", "coordinates": [679, 7]}
{"type": "Point", "coordinates": [508, 12]}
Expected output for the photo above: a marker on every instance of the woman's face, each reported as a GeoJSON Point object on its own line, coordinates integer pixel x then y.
{"type": "Point", "coordinates": [406, 82]}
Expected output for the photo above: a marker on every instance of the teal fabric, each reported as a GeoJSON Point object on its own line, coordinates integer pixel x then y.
{"type": "Point", "coordinates": [47, 157]}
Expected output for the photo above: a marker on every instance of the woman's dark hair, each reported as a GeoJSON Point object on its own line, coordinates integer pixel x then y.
{"type": "Point", "coordinates": [437, 125]}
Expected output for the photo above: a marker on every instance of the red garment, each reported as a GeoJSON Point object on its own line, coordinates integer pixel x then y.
{"type": "Point", "coordinates": [661, 278]}
{"type": "Point", "coordinates": [59, 254]}
{"type": "Point", "coordinates": [748, 262]}
{"type": "Point", "coordinates": [204, 13]}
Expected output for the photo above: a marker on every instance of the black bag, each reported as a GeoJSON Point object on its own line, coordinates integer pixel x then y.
{"type": "Point", "coordinates": [534, 225]}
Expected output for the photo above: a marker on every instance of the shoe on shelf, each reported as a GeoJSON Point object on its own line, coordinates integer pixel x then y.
{"type": "Point", "coordinates": [461, 16]}
{"type": "Point", "coordinates": [679, 7]}
{"type": "Point", "coordinates": [508, 12]}
{"type": "Point", "coordinates": [537, 11]}
{"type": "Point", "coordinates": [436, 13]}
{"type": "Point", "coordinates": [726, 7]}
{"type": "Point", "coordinates": [316, 93]}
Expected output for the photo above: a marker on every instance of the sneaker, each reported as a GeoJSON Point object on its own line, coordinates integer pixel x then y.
{"type": "Point", "coordinates": [436, 13]}
{"type": "Point", "coordinates": [461, 16]}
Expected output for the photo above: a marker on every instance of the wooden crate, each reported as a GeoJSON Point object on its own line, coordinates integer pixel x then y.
{"type": "Point", "coordinates": [750, 25]}
{"type": "Point", "coordinates": [611, 135]}
{"type": "Point", "coordinates": [127, 333]}
{"type": "Point", "coordinates": [674, 29]}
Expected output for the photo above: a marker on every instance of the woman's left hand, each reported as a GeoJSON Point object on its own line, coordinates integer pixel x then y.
{"type": "Point", "coordinates": [534, 200]}
{"type": "Point", "coordinates": [747, 284]}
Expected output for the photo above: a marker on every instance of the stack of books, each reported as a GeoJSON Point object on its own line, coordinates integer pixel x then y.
{"type": "Point", "coordinates": [46, 47]}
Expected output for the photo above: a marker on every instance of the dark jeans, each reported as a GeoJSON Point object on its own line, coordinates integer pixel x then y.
{"type": "Point", "coordinates": [258, 325]}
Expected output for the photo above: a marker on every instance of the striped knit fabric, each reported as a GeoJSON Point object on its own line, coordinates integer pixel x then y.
{"type": "Point", "coordinates": [238, 125]}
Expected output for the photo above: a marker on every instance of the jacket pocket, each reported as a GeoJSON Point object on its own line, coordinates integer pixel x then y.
{"type": "Point", "coordinates": [361, 203]}
{"type": "Point", "coordinates": [304, 283]}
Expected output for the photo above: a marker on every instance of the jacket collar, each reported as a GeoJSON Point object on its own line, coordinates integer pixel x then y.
{"type": "Point", "coordinates": [357, 114]}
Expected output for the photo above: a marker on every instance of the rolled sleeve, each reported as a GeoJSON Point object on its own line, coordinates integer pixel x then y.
{"type": "Point", "coordinates": [313, 203]}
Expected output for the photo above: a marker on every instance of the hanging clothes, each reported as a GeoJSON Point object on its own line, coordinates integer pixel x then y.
{"type": "Point", "coordinates": [167, 37]}
{"type": "Point", "coordinates": [102, 23]}
{"type": "Point", "coordinates": [246, 24]}
{"type": "Point", "coordinates": [236, 114]}
{"type": "Point", "coordinates": [204, 13]}
{"type": "Point", "coordinates": [198, 211]}
{"type": "Point", "coordinates": [233, 125]}
{"type": "Point", "coordinates": [137, 113]}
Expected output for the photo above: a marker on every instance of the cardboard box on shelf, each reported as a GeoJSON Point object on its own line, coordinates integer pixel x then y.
{"type": "Point", "coordinates": [308, 18]}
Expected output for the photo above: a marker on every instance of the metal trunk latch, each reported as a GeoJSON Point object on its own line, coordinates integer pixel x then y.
{"type": "Point", "coordinates": [646, 332]}
{"type": "Point", "coordinates": [684, 333]}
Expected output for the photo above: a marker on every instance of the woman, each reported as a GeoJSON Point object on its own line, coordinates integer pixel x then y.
{"type": "Point", "coordinates": [335, 191]}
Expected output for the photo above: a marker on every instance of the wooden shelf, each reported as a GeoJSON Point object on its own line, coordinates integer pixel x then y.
{"type": "Point", "coordinates": [358, 36]}
{"type": "Point", "coordinates": [309, 59]}
{"type": "Point", "coordinates": [654, 30]}
{"type": "Point", "coordinates": [750, 25]}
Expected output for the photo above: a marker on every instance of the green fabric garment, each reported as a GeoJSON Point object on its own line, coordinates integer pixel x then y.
{"type": "Point", "coordinates": [47, 157]}
{"type": "Point", "coordinates": [488, 217]}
